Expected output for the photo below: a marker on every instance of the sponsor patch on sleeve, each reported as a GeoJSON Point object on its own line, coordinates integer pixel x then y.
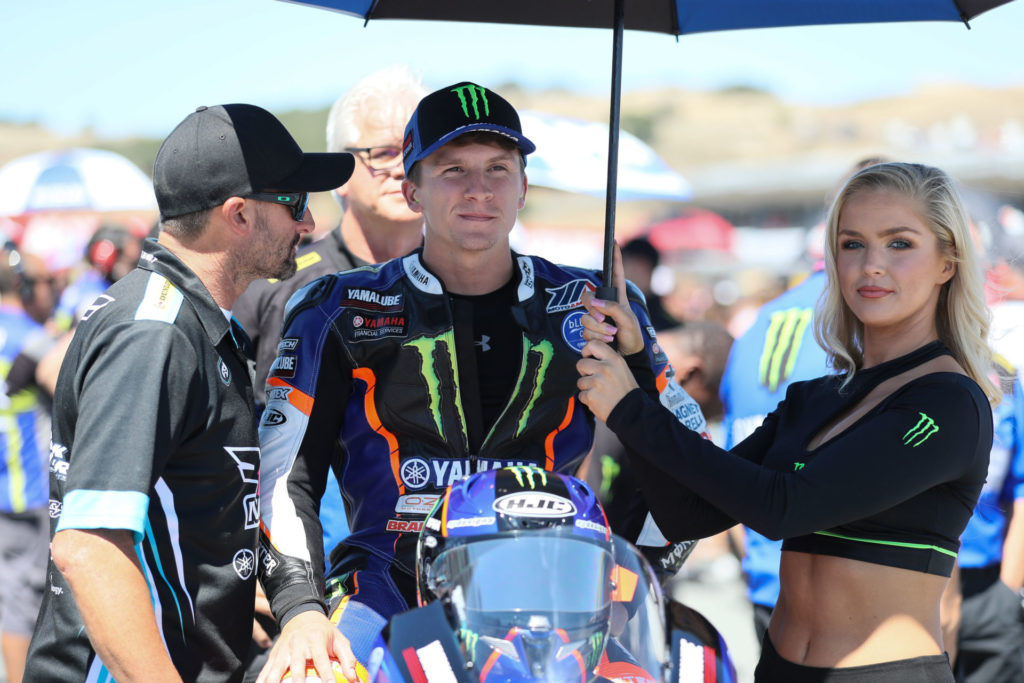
{"type": "Point", "coordinates": [572, 331]}
{"type": "Point", "coordinates": [284, 366]}
{"type": "Point", "coordinates": [569, 295]}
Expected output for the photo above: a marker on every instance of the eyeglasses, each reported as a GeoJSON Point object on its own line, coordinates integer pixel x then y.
{"type": "Point", "coordinates": [382, 158]}
{"type": "Point", "coordinates": [297, 202]}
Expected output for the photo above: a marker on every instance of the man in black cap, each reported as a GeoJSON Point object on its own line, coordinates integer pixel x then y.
{"type": "Point", "coordinates": [408, 376]}
{"type": "Point", "coordinates": [154, 458]}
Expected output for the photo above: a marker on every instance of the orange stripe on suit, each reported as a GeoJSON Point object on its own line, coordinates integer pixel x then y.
{"type": "Point", "coordinates": [549, 441]}
{"type": "Point", "coordinates": [370, 410]}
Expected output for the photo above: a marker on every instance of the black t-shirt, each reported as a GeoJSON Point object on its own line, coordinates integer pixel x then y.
{"type": "Point", "coordinates": [895, 488]}
{"type": "Point", "coordinates": [497, 343]}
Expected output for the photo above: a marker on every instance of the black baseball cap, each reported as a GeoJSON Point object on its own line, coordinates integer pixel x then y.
{"type": "Point", "coordinates": [462, 108]}
{"type": "Point", "coordinates": [234, 150]}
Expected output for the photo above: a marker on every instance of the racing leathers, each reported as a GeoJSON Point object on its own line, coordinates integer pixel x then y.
{"type": "Point", "coordinates": [376, 378]}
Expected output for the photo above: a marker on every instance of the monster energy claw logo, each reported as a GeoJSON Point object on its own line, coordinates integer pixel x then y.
{"type": "Point", "coordinates": [782, 345]}
{"type": "Point", "coordinates": [528, 472]}
{"type": "Point", "coordinates": [469, 639]}
{"type": "Point", "coordinates": [477, 95]}
{"type": "Point", "coordinates": [427, 347]}
{"type": "Point", "coordinates": [920, 432]}
{"type": "Point", "coordinates": [596, 649]}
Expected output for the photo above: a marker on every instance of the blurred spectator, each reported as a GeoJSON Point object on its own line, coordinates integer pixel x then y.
{"type": "Point", "coordinates": [25, 300]}
{"type": "Point", "coordinates": [112, 252]}
{"type": "Point", "coordinates": [991, 559]}
{"type": "Point", "coordinates": [639, 259]}
{"type": "Point", "coordinates": [1006, 276]}
{"type": "Point", "coordinates": [698, 352]}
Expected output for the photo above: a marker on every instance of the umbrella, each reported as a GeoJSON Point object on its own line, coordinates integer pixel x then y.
{"type": "Point", "coordinates": [73, 179]}
{"type": "Point", "coordinates": [570, 157]}
{"type": "Point", "coordinates": [674, 17]}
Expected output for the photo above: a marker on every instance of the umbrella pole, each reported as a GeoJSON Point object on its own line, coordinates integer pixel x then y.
{"type": "Point", "coordinates": [607, 290]}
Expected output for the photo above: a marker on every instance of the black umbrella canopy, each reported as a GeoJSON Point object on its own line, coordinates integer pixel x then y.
{"type": "Point", "coordinates": [674, 17]}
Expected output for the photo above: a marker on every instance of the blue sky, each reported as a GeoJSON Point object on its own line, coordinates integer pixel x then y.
{"type": "Point", "coordinates": [127, 67]}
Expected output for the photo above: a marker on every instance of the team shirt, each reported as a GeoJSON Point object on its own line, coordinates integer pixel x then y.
{"type": "Point", "coordinates": [154, 433]}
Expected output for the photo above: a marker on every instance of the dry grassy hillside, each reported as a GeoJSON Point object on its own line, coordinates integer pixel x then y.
{"type": "Point", "coordinates": [741, 149]}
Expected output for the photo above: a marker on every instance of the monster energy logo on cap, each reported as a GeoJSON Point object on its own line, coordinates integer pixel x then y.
{"type": "Point", "coordinates": [920, 432]}
{"type": "Point", "coordinates": [476, 96]}
{"type": "Point", "coordinates": [458, 109]}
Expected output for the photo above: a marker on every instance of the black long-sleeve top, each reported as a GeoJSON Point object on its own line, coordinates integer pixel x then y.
{"type": "Point", "coordinates": [895, 488]}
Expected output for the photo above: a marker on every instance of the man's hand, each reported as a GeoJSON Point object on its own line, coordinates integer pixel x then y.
{"type": "Point", "coordinates": [309, 637]}
{"type": "Point", "coordinates": [608, 320]}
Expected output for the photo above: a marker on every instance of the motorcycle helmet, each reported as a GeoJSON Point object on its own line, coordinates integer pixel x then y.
{"type": "Point", "coordinates": [522, 561]}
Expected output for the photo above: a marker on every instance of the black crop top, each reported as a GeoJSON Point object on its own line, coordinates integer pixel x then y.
{"type": "Point", "coordinates": [895, 488]}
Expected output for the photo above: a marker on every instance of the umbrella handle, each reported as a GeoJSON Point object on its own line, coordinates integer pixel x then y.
{"type": "Point", "coordinates": [613, 153]}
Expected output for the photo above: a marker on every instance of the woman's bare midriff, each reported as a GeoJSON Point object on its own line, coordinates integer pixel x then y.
{"type": "Point", "coordinates": [835, 612]}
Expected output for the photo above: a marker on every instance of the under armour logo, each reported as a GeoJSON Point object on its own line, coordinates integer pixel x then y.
{"type": "Point", "coordinates": [483, 343]}
{"type": "Point", "coordinates": [920, 432]}
{"type": "Point", "coordinates": [476, 96]}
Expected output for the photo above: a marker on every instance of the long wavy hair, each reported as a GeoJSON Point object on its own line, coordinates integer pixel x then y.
{"type": "Point", "coordinates": [962, 317]}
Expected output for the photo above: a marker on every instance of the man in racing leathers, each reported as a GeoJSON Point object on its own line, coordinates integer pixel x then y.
{"type": "Point", "coordinates": [406, 376]}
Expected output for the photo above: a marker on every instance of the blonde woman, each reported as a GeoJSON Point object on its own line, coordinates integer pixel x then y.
{"type": "Point", "coordinates": [869, 475]}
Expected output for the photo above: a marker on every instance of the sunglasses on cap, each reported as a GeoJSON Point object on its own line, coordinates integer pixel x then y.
{"type": "Point", "coordinates": [297, 201]}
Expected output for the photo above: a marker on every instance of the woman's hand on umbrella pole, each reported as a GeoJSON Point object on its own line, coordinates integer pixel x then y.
{"type": "Point", "coordinates": [604, 378]}
{"type": "Point", "coordinates": [613, 320]}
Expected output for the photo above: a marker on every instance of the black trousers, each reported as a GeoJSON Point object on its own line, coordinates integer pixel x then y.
{"type": "Point", "coordinates": [772, 668]}
{"type": "Point", "coordinates": [991, 637]}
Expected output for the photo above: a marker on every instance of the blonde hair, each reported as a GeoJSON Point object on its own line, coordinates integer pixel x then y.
{"type": "Point", "coordinates": [962, 317]}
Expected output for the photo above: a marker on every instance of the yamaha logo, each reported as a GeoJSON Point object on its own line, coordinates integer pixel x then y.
{"type": "Point", "coordinates": [415, 473]}
{"type": "Point", "coordinates": [534, 504]}
{"type": "Point", "coordinates": [244, 563]}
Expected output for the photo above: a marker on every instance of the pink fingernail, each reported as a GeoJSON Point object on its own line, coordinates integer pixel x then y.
{"type": "Point", "coordinates": [598, 302]}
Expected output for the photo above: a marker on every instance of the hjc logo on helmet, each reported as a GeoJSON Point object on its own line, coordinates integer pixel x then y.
{"type": "Point", "coordinates": [534, 504]}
